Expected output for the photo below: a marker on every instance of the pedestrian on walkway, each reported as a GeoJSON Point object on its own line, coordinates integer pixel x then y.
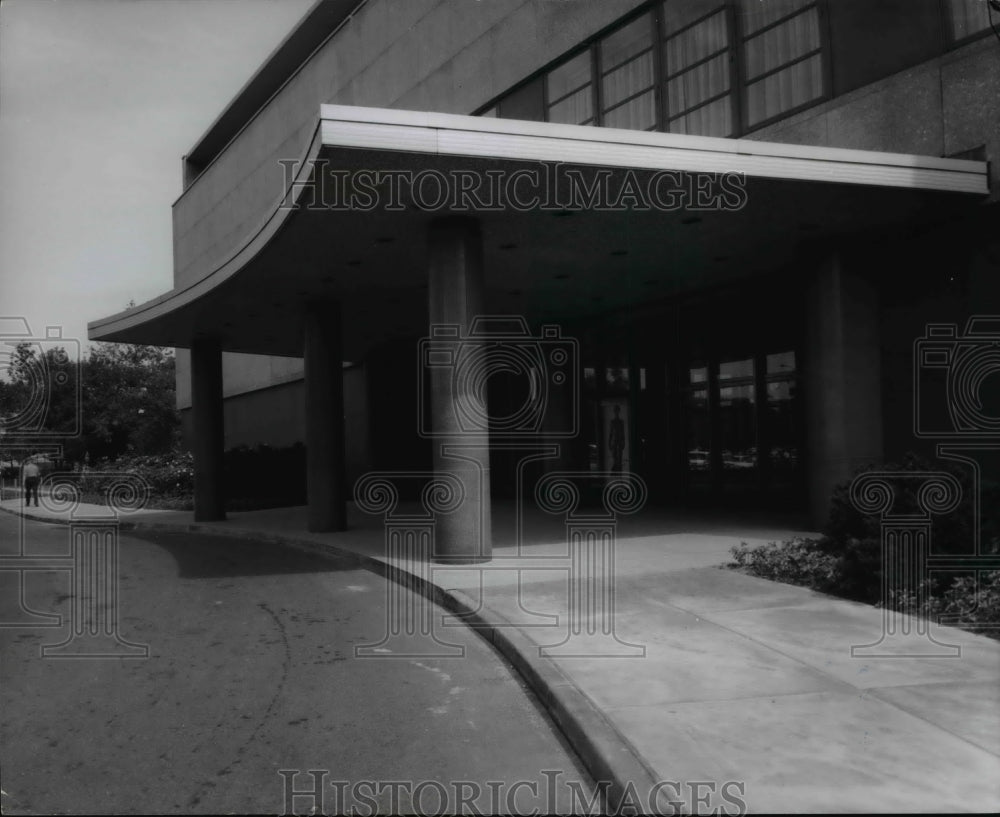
{"type": "Point", "coordinates": [31, 476]}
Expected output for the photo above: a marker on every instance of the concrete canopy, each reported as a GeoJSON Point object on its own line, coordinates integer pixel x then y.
{"type": "Point", "coordinates": [549, 263]}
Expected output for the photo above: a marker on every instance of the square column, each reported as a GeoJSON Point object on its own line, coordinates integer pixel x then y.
{"type": "Point", "coordinates": [325, 450]}
{"type": "Point", "coordinates": [842, 379]}
{"type": "Point", "coordinates": [455, 290]}
{"type": "Point", "coordinates": [209, 430]}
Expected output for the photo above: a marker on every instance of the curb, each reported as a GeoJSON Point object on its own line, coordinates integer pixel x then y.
{"type": "Point", "coordinates": [618, 769]}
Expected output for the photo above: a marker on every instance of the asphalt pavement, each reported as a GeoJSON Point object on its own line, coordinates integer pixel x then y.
{"type": "Point", "coordinates": [252, 691]}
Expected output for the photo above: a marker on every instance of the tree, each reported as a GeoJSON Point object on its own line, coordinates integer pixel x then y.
{"type": "Point", "coordinates": [128, 400]}
{"type": "Point", "coordinates": [125, 403]}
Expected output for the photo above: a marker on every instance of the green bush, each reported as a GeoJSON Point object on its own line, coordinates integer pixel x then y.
{"type": "Point", "coordinates": [847, 560]}
{"type": "Point", "coordinates": [256, 477]}
{"type": "Point", "coordinates": [799, 561]}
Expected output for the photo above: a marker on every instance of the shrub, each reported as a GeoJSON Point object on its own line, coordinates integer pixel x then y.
{"type": "Point", "coordinates": [256, 477]}
{"type": "Point", "coordinates": [799, 561]}
{"type": "Point", "coordinates": [847, 560]}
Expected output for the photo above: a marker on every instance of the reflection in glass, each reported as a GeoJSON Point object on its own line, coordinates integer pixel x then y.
{"type": "Point", "coordinates": [569, 93]}
{"type": "Point", "coordinates": [781, 363]}
{"type": "Point", "coordinates": [731, 369]}
{"type": "Point", "coordinates": [617, 379]}
{"type": "Point", "coordinates": [628, 76]}
{"type": "Point", "coordinates": [699, 435]}
{"type": "Point", "coordinates": [737, 420]}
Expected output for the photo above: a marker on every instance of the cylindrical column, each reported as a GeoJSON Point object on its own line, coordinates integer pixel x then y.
{"type": "Point", "coordinates": [208, 442]}
{"type": "Point", "coordinates": [324, 370]}
{"type": "Point", "coordinates": [842, 381]}
{"type": "Point", "coordinates": [455, 288]}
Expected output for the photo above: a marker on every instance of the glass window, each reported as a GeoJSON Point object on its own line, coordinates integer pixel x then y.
{"type": "Point", "coordinates": [782, 56]}
{"type": "Point", "coordinates": [968, 17]}
{"type": "Point", "coordinates": [698, 427]}
{"type": "Point", "coordinates": [569, 91]}
{"type": "Point", "coordinates": [738, 418]}
{"type": "Point", "coordinates": [628, 81]}
{"type": "Point", "coordinates": [782, 417]}
{"type": "Point", "coordinates": [697, 52]}
{"type": "Point", "coordinates": [781, 363]}
{"type": "Point", "coordinates": [730, 369]}
{"type": "Point", "coordinates": [616, 380]}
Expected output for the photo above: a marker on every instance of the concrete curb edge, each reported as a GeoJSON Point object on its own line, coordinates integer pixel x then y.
{"type": "Point", "coordinates": [607, 755]}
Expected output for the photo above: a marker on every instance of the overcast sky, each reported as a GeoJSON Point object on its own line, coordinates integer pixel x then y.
{"type": "Point", "coordinates": [99, 99]}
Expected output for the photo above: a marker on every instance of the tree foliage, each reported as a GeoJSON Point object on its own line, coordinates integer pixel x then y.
{"type": "Point", "coordinates": [124, 403]}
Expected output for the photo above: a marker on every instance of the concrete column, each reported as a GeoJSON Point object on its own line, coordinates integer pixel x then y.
{"type": "Point", "coordinates": [325, 450]}
{"type": "Point", "coordinates": [842, 379]}
{"type": "Point", "coordinates": [208, 427]}
{"type": "Point", "coordinates": [455, 289]}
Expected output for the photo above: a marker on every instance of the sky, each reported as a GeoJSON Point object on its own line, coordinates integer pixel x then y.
{"type": "Point", "coordinates": [99, 100]}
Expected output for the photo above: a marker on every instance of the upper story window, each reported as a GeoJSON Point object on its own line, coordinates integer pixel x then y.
{"type": "Point", "coordinates": [697, 69]}
{"type": "Point", "coordinates": [703, 67]}
{"type": "Point", "coordinates": [782, 57]}
{"type": "Point", "coordinates": [628, 76]}
{"type": "Point", "coordinates": [967, 17]}
{"type": "Point", "coordinates": [569, 91]}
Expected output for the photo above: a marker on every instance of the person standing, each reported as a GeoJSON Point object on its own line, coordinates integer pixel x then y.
{"type": "Point", "coordinates": [32, 476]}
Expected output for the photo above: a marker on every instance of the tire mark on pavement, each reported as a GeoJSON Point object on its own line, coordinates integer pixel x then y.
{"type": "Point", "coordinates": [272, 704]}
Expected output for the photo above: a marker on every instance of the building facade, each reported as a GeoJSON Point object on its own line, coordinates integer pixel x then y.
{"type": "Point", "coordinates": [754, 350]}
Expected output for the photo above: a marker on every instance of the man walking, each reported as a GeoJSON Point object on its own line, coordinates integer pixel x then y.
{"type": "Point", "coordinates": [31, 480]}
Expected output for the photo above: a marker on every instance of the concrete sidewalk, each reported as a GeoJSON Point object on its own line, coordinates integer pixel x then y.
{"type": "Point", "coordinates": [710, 677]}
